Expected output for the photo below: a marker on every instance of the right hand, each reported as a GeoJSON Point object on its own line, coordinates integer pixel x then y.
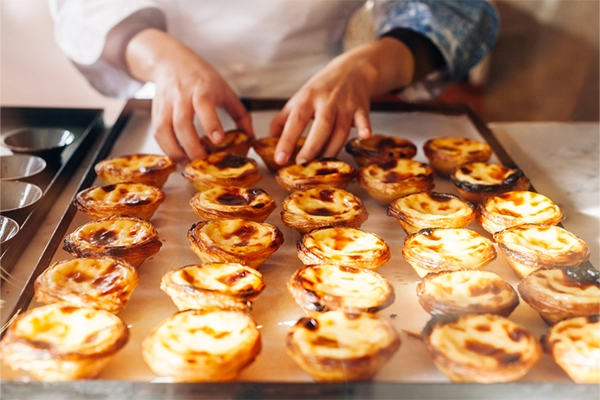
{"type": "Point", "coordinates": [186, 85]}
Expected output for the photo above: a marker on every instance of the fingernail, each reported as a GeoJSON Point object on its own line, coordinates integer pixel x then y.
{"type": "Point", "coordinates": [301, 161]}
{"type": "Point", "coordinates": [364, 133]}
{"type": "Point", "coordinates": [281, 158]}
{"type": "Point", "coordinates": [217, 137]}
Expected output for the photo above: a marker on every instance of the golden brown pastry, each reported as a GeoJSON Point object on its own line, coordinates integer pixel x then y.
{"type": "Point", "coordinates": [325, 287]}
{"type": "Point", "coordinates": [233, 202]}
{"type": "Point", "coordinates": [120, 199]}
{"type": "Point", "coordinates": [517, 208]}
{"type": "Point", "coordinates": [478, 348]}
{"type": "Point", "coordinates": [466, 292]}
{"type": "Point", "coordinates": [529, 247]}
{"type": "Point", "coordinates": [573, 344]}
{"type": "Point", "coordinates": [343, 246]}
{"type": "Point", "coordinates": [265, 148]}
{"type": "Point", "coordinates": [321, 173]}
{"type": "Point", "coordinates": [236, 141]}
{"type": "Point", "coordinates": [478, 180]}
{"type": "Point", "coordinates": [379, 148]}
{"type": "Point", "coordinates": [199, 346]}
{"type": "Point", "coordinates": [395, 178]}
{"type": "Point", "coordinates": [61, 342]}
{"type": "Point", "coordinates": [335, 346]}
{"type": "Point", "coordinates": [222, 169]}
{"type": "Point", "coordinates": [234, 240]}
{"type": "Point", "coordinates": [225, 286]}
{"type": "Point", "coordinates": [309, 209]}
{"type": "Point", "coordinates": [149, 169]}
{"type": "Point", "coordinates": [105, 283]}
{"type": "Point", "coordinates": [445, 153]}
{"type": "Point", "coordinates": [431, 210]}
{"type": "Point", "coordinates": [447, 249]}
{"type": "Point", "coordinates": [562, 292]}
{"type": "Point", "coordinates": [130, 238]}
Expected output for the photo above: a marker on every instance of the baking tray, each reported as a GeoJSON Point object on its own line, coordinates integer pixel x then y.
{"type": "Point", "coordinates": [86, 125]}
{"type": "Point", "coordinates": [269, 376]}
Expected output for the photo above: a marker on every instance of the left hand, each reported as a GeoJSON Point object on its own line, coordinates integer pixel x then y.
{"type": "Point", "coordinates": [338, 98]}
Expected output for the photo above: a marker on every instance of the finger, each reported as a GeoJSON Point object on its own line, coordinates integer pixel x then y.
{"type": "Point", "coordinates": [207, 115]}
{"type": "Point", "coordinates": [294, 126]}
{"type": "Point", "coordinates": [239, 114]}
{"type": "Point", "coordinates": [319, 134]}
{"type": "Point", "coordinates": [183, 123]}
{"type": "Point", "coordinates": [339, 136]}
{"type": "Point", "coordinates": [162, 117]}
{"type": "Point", "coordinates": [278, 123]}
{"type": "Point", "coordinates": [362, 123]}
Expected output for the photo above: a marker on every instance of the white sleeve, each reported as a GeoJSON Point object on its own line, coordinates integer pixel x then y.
{"type": "Point", "coordinates": [93, 34]}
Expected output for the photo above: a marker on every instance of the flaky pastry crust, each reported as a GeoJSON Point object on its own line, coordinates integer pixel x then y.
{"type": "Point", "coordinates": [485, 348]}
{"type": "Point", "coordinates": [476, 181]}
{"type": "Point", "coordinates": [446, 153]}
{"type": "Point", "coordinates": [149, 169]}
{"type": "Point", "coordinates": [130, 238]}
{"type": "Point", "coordinates": [135, 199]}
{"type": "Point", "coordinates": [395, 178]}
{"type": "Point", "coordinates": [529, 247]}
{"type": "Point", "coordinates": [466, 292]}
{"type": "Point", "coordinates": [265, 148]}
{"type": "Point", "coordinates": [517, 208]}
{"type": "Point", "coordinates": [320, 173]}
{"type": "Point", "coordinates": [236, 141]}
{"type": "Point", "coordinates": [61, 342]}
{"type": "Point", "coordinates": [233, 202]}
{"type": "Point", "coordinates": [447, 249]}
{"type": "Point", "coordinates": [222, 169]}
{"type": "Point", "coordinates": [216, 286]}
{"type": "Point", "coordinates": [200, 346]}
{"type": "Point", "coordinates": [104, 283]}
{"type": "Point", "coordinates": [325, 287]}
{"type": "Point", "coordinates": [431, 210]}
{"type": "Point", "coordinates": [343, 246]}
{"type": "Point", "coordinates": [309, 209]}
{"type": "Point", "coordinates": [335, 346]}
{"type": "Point", "coordinates": [379, 148]}
{"type": "Point", "coordinates": [236, 240]}
{"type": "Point", "coordinates": [562, 292]}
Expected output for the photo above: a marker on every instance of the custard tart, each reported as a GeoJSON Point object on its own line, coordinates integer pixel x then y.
{"type": "Point", "coordinates": [445, 153]}
{"type": "Point", "coordinates": [233, 202]}
{"type": "Point", "coordinates": [130, 238]}
{"type": "Point", "coordinates": [309, 209]}
{"type": "Point", "coordinates": [149, 169]}
{"type": "Point", "coordinates": [562, 292]}
{"type": "Point", "coordinates": [325, 287]}
{"type": "Point", "coordinates": [104, 283]}
{"type": "Point", "coordinates": [320, 173]}
{"type": "Point", "coordinates": [201, 346]}
{"type": "Point", "coordinates": [61, 342]}
{"type": "Point", "coordinates": [236, 141]}
{"type": "Point", "coordinates": [481, 348]}
{"type": "Point", "coordinates": [135, 199]}
{"type": "Point", "coordinates": [222, 169]}
{"type": "Point", "coordinates": [431, 210]}
{"type": "Point", "coordinates": [335, 346]}
{"type": "Point", "coordinates": [226, 286]}
{"type": "Point", "coordinates": [379, 148]}
{"type": "Point", "coordinates": [265, 148]}
{"type": "Point", "coordinates": [478, 180]}
{"type": "Point", "coordinates": [386, 181]}
{"type": "Point", "coordinates": [343, 246]}
{"type": "Point", "coordinates": [447, 249]}
{"type": "Point", "coordinates": [466, 292]}
{"type": "Point", "coordinates": [574, 344]}
{"type": "Point", "coordinates": [529, 247]}
{"type": "Point", "coordinates": [234, 241]}
{"type": "Point", "coordinates": [517, 208]}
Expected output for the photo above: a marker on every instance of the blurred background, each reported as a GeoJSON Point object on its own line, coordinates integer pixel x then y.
{"type": "Point", "coordinates": [544, 66]}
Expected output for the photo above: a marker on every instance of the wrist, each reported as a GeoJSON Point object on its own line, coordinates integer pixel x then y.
{"type": "Point", "coordinates": [149, 52]}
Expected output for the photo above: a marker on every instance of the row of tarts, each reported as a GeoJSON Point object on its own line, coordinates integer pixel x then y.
{"type": "Point", "coordinates": [213, 337]}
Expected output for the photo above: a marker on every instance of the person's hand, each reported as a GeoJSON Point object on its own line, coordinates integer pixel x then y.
{"type": "Point", "coordinates": [186, 85]}
{"type": "Point", "coordinates": [338, 97]}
